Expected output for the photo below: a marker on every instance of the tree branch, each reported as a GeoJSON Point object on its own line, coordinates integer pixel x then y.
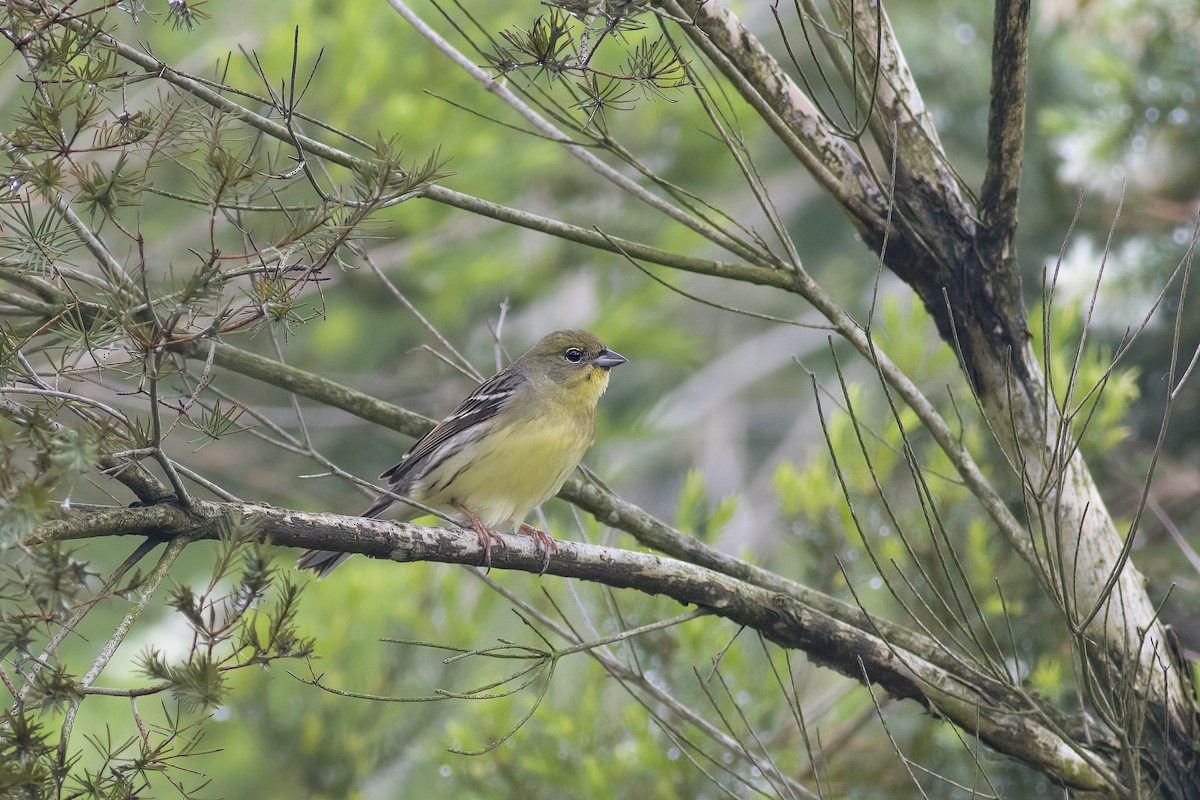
{"type": "Point", "coordinates": [618, 513]}
{"type": "Point", "coordinates": [1006, 123]}
{"type": "Point", "coordinates": [137, 478]}
{"type": "Point", "coordinates": [194, 88]}
{"type": "Point", "coordinates": [500, 88]}
{"type": "Point", "coordinates": [742, 58]}
{"type": "Point", "coordinates": [756, 272]}
{"type": "Point", "coordinates": [1001, 717]}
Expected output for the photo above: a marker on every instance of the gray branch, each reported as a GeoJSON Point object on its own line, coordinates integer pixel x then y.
{"type": "Point", "coordinates": [1006, 125]}
{"type": "Point", "coordinates": [1005, 719]}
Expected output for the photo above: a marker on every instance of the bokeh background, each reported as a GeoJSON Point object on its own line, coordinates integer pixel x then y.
{"type": "Point", "coordinates": [712, 424]}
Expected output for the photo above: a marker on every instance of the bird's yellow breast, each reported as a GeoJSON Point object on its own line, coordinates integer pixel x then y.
{"type": "Point", "coordinates": [503, 476]}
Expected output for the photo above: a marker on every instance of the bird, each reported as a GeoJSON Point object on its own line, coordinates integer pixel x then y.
{"type": "Point", "coordinates": [509, 446]}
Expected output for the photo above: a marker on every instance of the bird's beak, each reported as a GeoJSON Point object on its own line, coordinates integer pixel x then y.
{"type": "Point", "coordinates": [608, 359]}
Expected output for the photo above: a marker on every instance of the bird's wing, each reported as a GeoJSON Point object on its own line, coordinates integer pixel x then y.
{"type": "Point", "coordinates": [488, 399]}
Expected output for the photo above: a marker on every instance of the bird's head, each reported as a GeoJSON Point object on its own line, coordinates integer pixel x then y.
{"type": "Point", "coordinates": [575, 359]}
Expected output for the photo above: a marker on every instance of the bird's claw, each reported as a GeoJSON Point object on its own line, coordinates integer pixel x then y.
{"type": "Point", "coordinates": [543, 541]}
{"type": "Point", "coordinates": [486, 537]}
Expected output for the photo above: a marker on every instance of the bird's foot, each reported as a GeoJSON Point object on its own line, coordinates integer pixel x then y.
{"type": "Point", "coordinates": [486, 535]}
{"type": "Point", "coordinates": [543, 541]}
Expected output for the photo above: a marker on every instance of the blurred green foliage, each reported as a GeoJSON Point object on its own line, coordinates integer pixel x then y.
{"type": "Point", "coordinates": [734, 455]}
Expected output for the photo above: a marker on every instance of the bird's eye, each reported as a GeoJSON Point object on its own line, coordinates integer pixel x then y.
{"type": "Point", "coordinates": [574, 355]}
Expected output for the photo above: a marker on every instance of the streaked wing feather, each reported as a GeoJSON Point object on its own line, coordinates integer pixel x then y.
{"type": "Point", "coordinates": [488, 399]}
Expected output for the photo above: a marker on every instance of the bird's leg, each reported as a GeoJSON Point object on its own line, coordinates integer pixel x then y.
{"type": "Point", "coordinates": [486, 534]}
{"type": "Point", "coordinates": [545, 543]}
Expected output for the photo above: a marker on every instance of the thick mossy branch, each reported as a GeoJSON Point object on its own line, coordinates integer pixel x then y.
{"type": "Point", "coordinates": [1006, 127]}
{"type": "Point", "coordinates": [1000, 716]}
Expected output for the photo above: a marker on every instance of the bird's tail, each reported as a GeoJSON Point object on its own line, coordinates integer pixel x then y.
{"type": "Point", "coordinates": [324, 562]}
{"type": "Point", "coordinates": [321, 562]}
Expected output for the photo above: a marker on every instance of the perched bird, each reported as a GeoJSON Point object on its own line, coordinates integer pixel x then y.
{"type": "Point", "coordinates": [507, 448]}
